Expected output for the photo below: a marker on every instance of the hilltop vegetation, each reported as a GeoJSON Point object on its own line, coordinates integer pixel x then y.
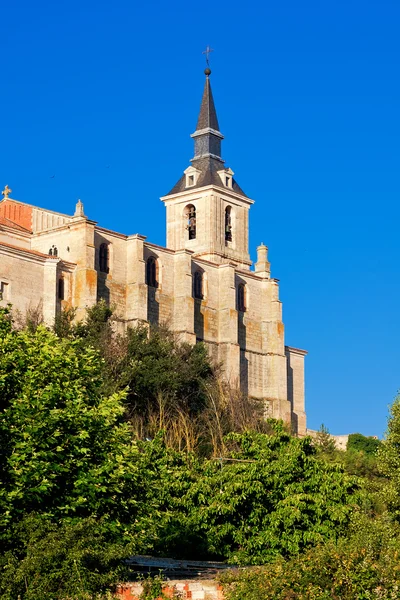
{"type": "Point", "coordinates": [113, 445]}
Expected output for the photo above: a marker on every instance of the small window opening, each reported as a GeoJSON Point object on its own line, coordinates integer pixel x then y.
{"type": "Point", "coordinates": [198, 285]}
{"type": "Point", "coordinates": [151, 272]}
{"type": "Point", "coordinates": [228, 224]}
{"type": "Point", "coordinates": [227, 181]}
{"type": "Point", "coordinates": [55, 251]}
{"type": "Point", "coordinates": [61, 289]}
{"type": "Point", "coordinates": [51, 252]}
{"type": "Point", "coordinates": [3, 290]}
{"type": "Point", "coordinates": [191, 221]}
{"type": "Point", "coordinates": [104, 258]}
{"type": "Point", "coordinates": [191, 180]}
{"type": "Point", "coordinates": [241, 297]}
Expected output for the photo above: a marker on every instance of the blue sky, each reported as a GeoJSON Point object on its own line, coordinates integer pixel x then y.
{"type": "Point", "coordinates": [104, 95]}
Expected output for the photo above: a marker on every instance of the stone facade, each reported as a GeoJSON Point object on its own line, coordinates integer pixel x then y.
{"type": "Point", "coordinates": [201, 284]}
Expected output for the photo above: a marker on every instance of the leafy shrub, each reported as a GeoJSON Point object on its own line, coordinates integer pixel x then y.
{"type": "Point", "coordinates": [61, 561]}
{"type": "Point", "coordinates": [66, 450]}
{"type": "Point", "coordinates": [270, 495]}
{"type": "Point", "coordinates": [358, 442]}
{"type": "Point", "coordinates": [364, 566]}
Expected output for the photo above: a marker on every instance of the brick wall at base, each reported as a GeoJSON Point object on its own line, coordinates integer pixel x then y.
{"type": "Point", "coordinates": [182, 589]}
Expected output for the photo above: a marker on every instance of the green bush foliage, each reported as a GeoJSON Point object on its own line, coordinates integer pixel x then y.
{"type": "Point", "coordinates": [66, 450]}
{"type": "Point", "coordinates": [360, 442]}
{"type": "Point", "coordinates": [112, 445]}
{"type": "Point", "coordinates": [270, 495]}
{"type": "Point", "coordinates": [62, 561]}
{"type": "Point", "coordinates": [389, 460]}
{"type": "Point", "coordinates": [364, 565]}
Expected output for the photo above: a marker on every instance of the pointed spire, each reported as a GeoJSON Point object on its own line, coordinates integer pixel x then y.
{"type": "Point", "coordinates": [208, 115]}
{"type": "Point", "coordinates": [207, 137]}
{"type": "Point", "coordinates": [207, 168]}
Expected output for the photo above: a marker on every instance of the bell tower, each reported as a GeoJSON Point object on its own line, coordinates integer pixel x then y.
{"type": "Point", "coordinates": [207, 211]}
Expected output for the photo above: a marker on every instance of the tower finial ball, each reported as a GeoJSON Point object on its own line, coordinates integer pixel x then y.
{"type": "Point", "coordinates": [207, 72]}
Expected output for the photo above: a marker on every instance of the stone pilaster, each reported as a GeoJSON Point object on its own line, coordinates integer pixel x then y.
{"type": "Point", "coordinates": [273, 348]}
{"type": "Point", "coordinates": [229, 350]}
{"type": "Point", "coordinates": [296, 389]}
{"type": "Point", "coordinates": [83, 254]}
{"type": "Point", "coordinates": [183, 298]}
{"type": "Point", "coordinates": [50, 291]}
{"type": "Point", "coordinates": [136, 289]}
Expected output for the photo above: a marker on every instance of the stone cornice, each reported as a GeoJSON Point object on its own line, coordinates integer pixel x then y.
{"type": "Point", "coordinates": [207, 130]}
{"type": "Point", "coordinates": [14, 232]}
{"type": "Point", "coordinates": [121, 236]}
{"type": "Point", "coordinates": [150, 245]}
{"type": "Point", "coordinates": [223, 191]}
{"type": "Point", "coordinates": [298, 351]}
{"type": "Point", "coordinates": [34, 255]}
{"type": "Point", "coordinates": [27, 253]}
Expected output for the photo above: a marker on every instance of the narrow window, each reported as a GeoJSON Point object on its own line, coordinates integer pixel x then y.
{"type": "Point", "coordinates": [3, 290]}
{"type": "Point", "coordinates": [51, 252]}
{"type": "Point", "coordinates": [191, 180]}
{"type": "Point", "coordinates": [191, 221]}
{"type": "Point", "coordinates": [61, 289]}
{"type": "Point", "coordinates": [104, 259]}
{"type": "Point", "coordinates": [241, 297]}
{"type": "Point", "coordinates": [227, 180]}
{"type": "Point", "coordinates": [55, 251]}
{"type": "Point", "coordinates": [228, 224]}
{"type": "Point", "coordinates": [198, 285]}
{"type": "Point", "coordinates": [151, 272]}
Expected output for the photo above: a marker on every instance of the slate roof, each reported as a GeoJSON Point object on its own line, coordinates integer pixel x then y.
{"type": "Point", "coordinates": [208, 114]}
{"type": "Point", "coordinates": [209, 168]}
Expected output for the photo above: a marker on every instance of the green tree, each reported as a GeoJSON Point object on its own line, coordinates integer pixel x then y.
{"type": "Point", "coordinates": [389, 458]}
{"type": "Point", "coordinates": [359, 442]}
{"type": "Point", "coordinates": [270, 495]}
{"type": "Point", "coordinates": [158, 364]}
{"type": "Point", "coordinates": [325, 441]}
{"type": "Point", "coordinates": [63, 561]}
{"type": "Point", "coordinates": [149, 363]}
{"type": "Point", "coordinates": [66, 449]}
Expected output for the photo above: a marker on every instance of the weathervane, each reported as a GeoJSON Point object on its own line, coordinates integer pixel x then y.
{"type": "Point", "coordinates": [207, 52]}
{"type": "Point", "coordinates": [6, 192]}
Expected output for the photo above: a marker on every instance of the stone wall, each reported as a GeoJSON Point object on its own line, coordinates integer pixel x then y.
{"type": "Point", "coordinates": [31, 281]}
{"type": "Point", "coordinates": [183, 589]}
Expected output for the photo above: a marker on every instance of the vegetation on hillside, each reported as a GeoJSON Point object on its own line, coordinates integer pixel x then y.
{"type": "Point", "coordinates": [119, 444]}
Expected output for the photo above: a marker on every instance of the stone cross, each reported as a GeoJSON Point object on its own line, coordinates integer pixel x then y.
{"type": "Point", "coordinates": [6, 192]}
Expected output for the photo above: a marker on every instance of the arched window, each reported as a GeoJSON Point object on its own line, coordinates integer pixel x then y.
{"type": "Point", "coordinates": [228, 224]}
{"type": "Point", "coordinates": [241, 297]}
{"type": "Point", "coordinates": [104, 258]}
{"type": "Point", "coordinates": [151, 272]}
{"type": "Point", "coordinates": [51, 252]}
{"type": "Point", "coordinates": [190, 214]}
{"type": "Point", "coordinates": [198, 285]}
{"type": "Point", "coordinates": [61, 289]}
{"type": "Point", "coordinates": [55, 251]}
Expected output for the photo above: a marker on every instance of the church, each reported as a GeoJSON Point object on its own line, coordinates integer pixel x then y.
{"type": "Point", "coordinates": [202, 284]}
